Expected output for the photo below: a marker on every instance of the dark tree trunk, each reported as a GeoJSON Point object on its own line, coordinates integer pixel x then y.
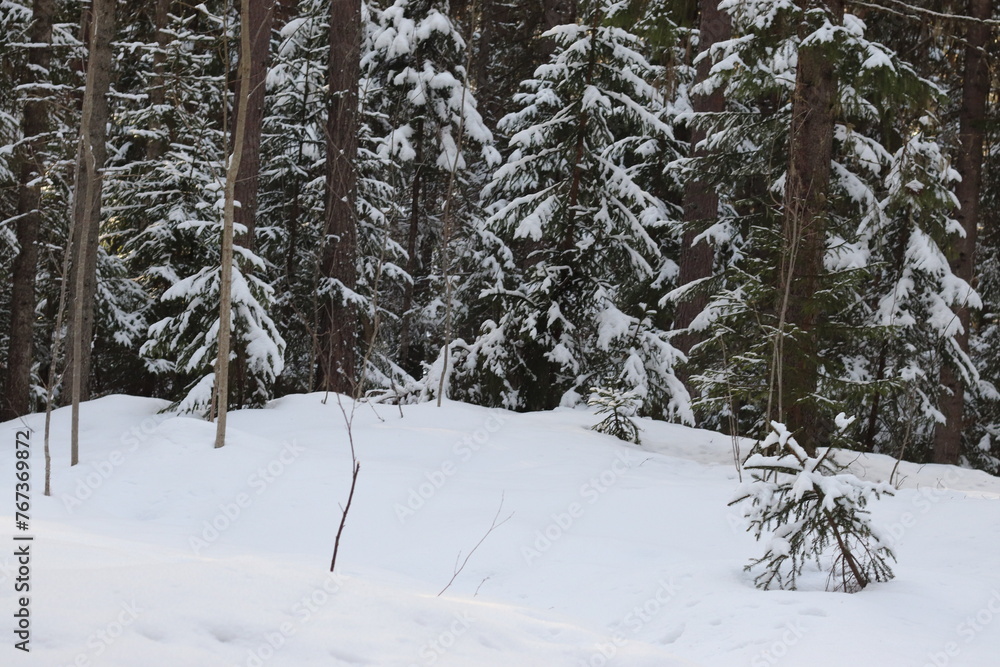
{"type": "Point", "coordinates": [554, 12]}
{"type": "Point", "coordinates": [493, 92]}
{"type": "Point", "coordinates": [339, 321]}
{"type": "Point", "coordinates": [412, 259]}
{"type": "Point", "coordinates": [285, 11]}
{"type": "Point", "coordinates": [35, 123]}
{"type": "Point", "coordinates": [701, 202]}
{"type": "Point", "coordinates": [261, 20]}
{"type": "Point", "coordinates": [971, 119]}
{"type": "Point", "coordinates": [573, 198]}
{"type": "Point", "coordinates": [158, 88]}
{"type": "Point", "coordinates": [508, 48]}
{"type": "Point", "coordinates": [807, 185]}
{"type": "Point", "coordinates": [91, 156]}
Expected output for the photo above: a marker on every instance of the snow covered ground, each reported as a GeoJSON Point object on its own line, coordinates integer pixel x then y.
{"type": "Point", "coordinates": [158, 550]}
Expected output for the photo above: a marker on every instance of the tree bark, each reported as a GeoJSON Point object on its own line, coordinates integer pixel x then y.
{"type": "Point", "coordinates": [412, 258]}
{"type": "Point", "coordinates": [91, 156]}
{"type": "Point", "coordinates": [34, 124]}
{"type": "Point", "coordinates": [969, 162]}
{"type": "Point", "coordinates": [261, 22]}
{"type": "Point", "coordinates": [158, 86]}
{"type": "Point", "coordinates": [226, 267]}
{"type": "Point", "coordinates": [701, 202]}
{"type": "Point", "coordinates": [807, 186]}
{"type": "Point", "coordinates": [554, 13]}
{"type": "Point", "coordinates": [339, 317]}
{"type": "Point", "coordinates": [494, 24]}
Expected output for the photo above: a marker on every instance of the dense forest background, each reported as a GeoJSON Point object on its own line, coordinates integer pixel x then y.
{"type": "Point", "coordinates": [720, 213]}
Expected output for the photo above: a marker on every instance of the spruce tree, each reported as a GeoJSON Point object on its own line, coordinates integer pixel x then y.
{"type": "Point", "coordinates": [576, 234]}
{"type": "Point", "coordinates": [889, 183]}
{"type": "Point", "coordinates": [812, 512]}
{"type": "Point", "coordinates": [178, 249]}
{"type": "Point", "coordinates": [423, 117]}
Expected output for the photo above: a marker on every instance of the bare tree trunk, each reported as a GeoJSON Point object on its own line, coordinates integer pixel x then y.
{"type": "Point", "coordinates": [91, 156]}
{"type": "Point", "coordinates": [293, 219]}
{"type": "Point", "coordinates": [339, 319]}
{"type": "Point", "coordinates": [226, 268]}
{"type": "Point", "coordinates": [34, 123]}
{"type": "Point", "coordinates": [971, 119]}
{"type": "Point", "coordinates": [261, 22]}
{"type": "Point", "coordinates": [411, 250]}
{"type": "Point", "coordinates": [57, 341]}
{"type": "Point", "coordinates": [807, 185]}
{"type": "Point", "coordinates": [248, 178]}
{"type": "Point", "coordinates": [701, 202]}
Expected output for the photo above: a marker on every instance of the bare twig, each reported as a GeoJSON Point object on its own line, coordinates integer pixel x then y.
{"type": "Point", "coordinates": [493, 526]}
{"type": "Point", "coordinates": [344, 511]}
{"type": "Point", "coordinates": [907, 433]}
{"type": "Point", "coordinates": [356, 468]}
{"type": "Point", "coordinates": [732, 414]}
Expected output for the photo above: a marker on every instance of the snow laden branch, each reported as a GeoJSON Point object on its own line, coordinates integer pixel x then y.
{"type": "Point", "coordinates": [814, 512]}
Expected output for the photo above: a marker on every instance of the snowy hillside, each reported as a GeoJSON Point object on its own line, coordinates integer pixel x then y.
{"type": "Point", "coordinates": [159, 551]}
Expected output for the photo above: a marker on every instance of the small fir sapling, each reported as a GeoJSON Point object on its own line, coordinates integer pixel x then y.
{"type": "Point", "coordinates": [815, 512]}
{"type": "Point", "coordinates": [620, 405]}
